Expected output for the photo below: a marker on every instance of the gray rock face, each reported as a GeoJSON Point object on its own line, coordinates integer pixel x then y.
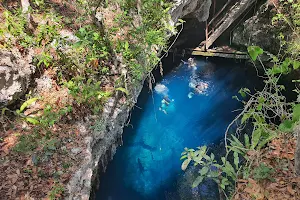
{"type": "Point", "coordinates": [104, 138]}
{"type": "Point", "coordinates": [15, 72]}
{"type": "Point", "coordinates": [258, 30]}
{"type": "Point", "coordinates": [196, 8]}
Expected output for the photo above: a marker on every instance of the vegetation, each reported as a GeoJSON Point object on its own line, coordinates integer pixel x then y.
{"type": "Point", "coordinates": [89, 51]}
{"type": "Point", "coordinates": [256, 159]}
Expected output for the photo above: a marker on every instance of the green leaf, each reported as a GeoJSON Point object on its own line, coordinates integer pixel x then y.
{"type": "Point", "coordinates": [259, 107]}
{"type": "Point", "coordinates": [266, 139]}
{"type": "Point", "coordinates": [181, 21]}
{"type": "Point", "coordinates": [261, 99]}
{"type": "Point", "coordinates": [296, 113]}
{"type": "Point", "coordinates": [126, 46]}
{"type": "Point", "coordinates": [123, 90]}
{"type": "Point", "coordinates": [222, 186]}
{"type": "Point", "coordinates": [185, 164]}
{"type": "Point", "coordinates": [242, 93]}
{"type": "Point", "coordinates": [223, 160]}
{"type": "Point", "coordinates": [247, 141]}
{"type": "Point", "coordinates": [3, 111]}
{"type": "Point", "coordinates": [239, 151]}
{"type": "Point", "coordinates": [255, 51]}
{"type": "Point", "coordinates": [82, 30]}
{"type": "Point", "coordinates": [236, 160]}
{"type": "Point", "coordinates": [235, 97]}
{"type": "Point", "coordinates": [212, 156]}
{"type": "Point", "coordinates": [245, 117]}
{"type": "Point", "coordinates": [286, 126]}
{"type": "Point", "coordinates": [214, 174]}
{"type": "Point", "coordinates": [296, 64]}
{"type": "Point", "coordinates": [27, 103]}
{"type": "Point", "coordinates": [32, 120]}
{"type": "Point", "coordinates": [229, 170]}
{"type": "Point", "coordinates": [204, 171]}
{"type": "Point", "coordinates": [255, 137]}
{"type": "Point", "coordinates": [237, 141]}
{"type": "Point", "coordinates": [197, 181]}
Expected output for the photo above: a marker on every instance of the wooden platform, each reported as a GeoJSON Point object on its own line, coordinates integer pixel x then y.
{"type": "Point", "coordinates": [224, 52]}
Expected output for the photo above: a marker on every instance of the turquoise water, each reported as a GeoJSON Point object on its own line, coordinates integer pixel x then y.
{"type": "Point", "coordinates": [147, 166]}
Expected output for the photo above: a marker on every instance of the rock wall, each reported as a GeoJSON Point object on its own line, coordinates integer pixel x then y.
{"type": "Point", "coordinates": [15, 75]}
{"type": "Point", "coordinates": [258, 30]}
{"type": "Point", "coordinates": [101, 146]}
{"type": "Point", "coordinates": [198, 9]}
{"type": "Point", "coordinates": [104, 140]}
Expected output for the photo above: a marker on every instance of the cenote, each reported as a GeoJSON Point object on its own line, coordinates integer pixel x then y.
{"type": "Point", "coordinates": [147, 166]}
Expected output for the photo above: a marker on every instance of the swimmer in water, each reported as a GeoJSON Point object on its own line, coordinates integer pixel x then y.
{"type": "Point", "coordinates": [165, 103]}
{"type": "Point", "coordinates": [190, 63]}
{"type": "Point", "coordinates": [201, 87]}
{"type": "Point", "coordinates": [166, 100]}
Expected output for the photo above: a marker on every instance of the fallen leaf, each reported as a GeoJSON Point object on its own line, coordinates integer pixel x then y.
{"type": "Point", "coordinates": [290, 190]}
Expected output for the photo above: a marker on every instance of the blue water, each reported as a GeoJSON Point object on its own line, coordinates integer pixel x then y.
{"type": "Point", "coordinates": [147, 166]}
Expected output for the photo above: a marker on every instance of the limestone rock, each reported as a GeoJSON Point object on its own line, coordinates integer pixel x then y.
{"type": "Point", "coordinates": [43, 83]}
{"type": "Point", "coordinates": [15, 75]}
{"type": "Point", "coordinates": [196, 8]}
{"type": "Point", "coordinates": [258, 30]}
{"type": "Point", "coordinates": [76, 151]}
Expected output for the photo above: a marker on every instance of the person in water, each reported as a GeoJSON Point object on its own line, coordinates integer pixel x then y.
{"type": "Point", "coordinates": [164, 104]}
{"type": "Point", "coordinates": [199, 88]}
{"type": "Point", "coordinates": [190, 63]}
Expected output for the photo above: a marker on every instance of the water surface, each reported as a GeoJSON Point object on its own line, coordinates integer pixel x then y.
{"type": "Point", "coordinates": [147, 166]}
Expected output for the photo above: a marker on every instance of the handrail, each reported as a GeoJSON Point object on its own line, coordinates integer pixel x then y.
{"type": "Point", "coordinates": [217, 15]}
{"type": "Point", "coordinates": [209, 32]}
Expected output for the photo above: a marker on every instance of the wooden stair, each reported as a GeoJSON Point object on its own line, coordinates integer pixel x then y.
{"type": "Point", "coordinates": [233, 12]}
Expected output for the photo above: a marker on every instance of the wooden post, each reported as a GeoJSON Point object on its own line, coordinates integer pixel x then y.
{"type": "Point", "coordinates": [219, 12]}
{"type": "Point", "coordinates": [206, 35]}
{"type": "Point", "coordinates": [214, 12]}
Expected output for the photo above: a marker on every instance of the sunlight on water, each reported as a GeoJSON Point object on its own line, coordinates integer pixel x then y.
{"type": "Point", "coordinates": [188, 108]}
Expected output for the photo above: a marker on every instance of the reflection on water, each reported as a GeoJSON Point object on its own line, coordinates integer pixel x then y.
{"type": "Point", "coordinates": [188, 108]}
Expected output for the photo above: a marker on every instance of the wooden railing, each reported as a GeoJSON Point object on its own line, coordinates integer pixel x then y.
{"type": "Point", "coordinates": [218, 24]}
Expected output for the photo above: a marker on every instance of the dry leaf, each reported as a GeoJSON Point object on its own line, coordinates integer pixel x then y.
{"type": "Point", "coordinates": [290, 190]}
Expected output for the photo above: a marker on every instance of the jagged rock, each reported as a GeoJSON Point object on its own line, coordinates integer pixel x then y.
{"type": "Point", "coordinates": [196, 8]}
{"type": "Point", "coordinates": [68, 36]}
{"type": "Point", "coordinates": [43, 83]}
{"type": "Point", "coordinates": [15, 75]}
{"type": "Point", "coordinates": [76, 151]}
{"type": "Point", "coordinates": [258, 30]}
